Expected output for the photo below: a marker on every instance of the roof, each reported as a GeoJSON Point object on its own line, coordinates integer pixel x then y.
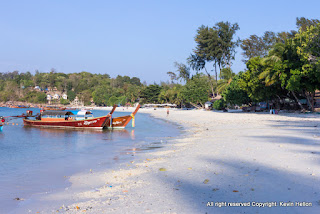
{"type": "Point", "coordinates": [83, 112]}
{"type": "Point", "coordinates": [56, 113]}
{"type": "Point", "coordinates": [218, 97]}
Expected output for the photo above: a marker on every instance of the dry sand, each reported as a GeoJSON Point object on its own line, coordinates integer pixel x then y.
{"type": "Point", "coordinates": [221, 157]}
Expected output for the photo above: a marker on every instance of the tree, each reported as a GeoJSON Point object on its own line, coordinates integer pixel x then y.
{"type": "Point", "coordinates": [133, 93]}
{"type": "Point", "coordinates": [216, 45]}
{"type": "Point", "coordinates": [112, 101]}
{"type": "Point", "coordinates": [226, 32]}
{"type": "Point", "coordinates": [101, 95]}
{"type": "Point", "coordinates": [183, 71]}
{"type": "Point", "coordinates": [150, 94]}
{"type": "Point", "coordinates": [197, 90]}
{"type": "Point", "coordinates": [253, 85]}
{"type": "Point", "coordinates": [172, 76]}
{"type": "Point", "coordinates": [225, 79]}
{"type": "Point", "coordinates": [71, 95]}
{"type": "Point", "coordinates": [303, 66]}
{"type": "Point", "coordinates": [303, 23]}
{"type": "Point", "coordinates": [135, 81]}
{"type": "Point", "coordinates": [233, 94]}
{"type": "Point", "coordinates": [256, 46]}
{"type": "Point", "coordinates": [64, 102]}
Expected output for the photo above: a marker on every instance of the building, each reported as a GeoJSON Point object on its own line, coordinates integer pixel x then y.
{"type": "Point", "coordinates": [64, 96]}
{"type": "Point", "coordinates": [77, 102]}
{"type": "Point", "coordinates": [56, 96]}
{"type": "Point", "coordinates": [49, 97]}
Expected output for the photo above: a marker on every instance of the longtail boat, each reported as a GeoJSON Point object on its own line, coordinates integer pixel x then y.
{"type": "Point", "coordinates": [19, 106]}
{"type": "Point", "coordinates": [66, 119]}
{"type": "Point", "coordinates": [122, 122]}
{"type": "Point", "coordinates": [53, 108]}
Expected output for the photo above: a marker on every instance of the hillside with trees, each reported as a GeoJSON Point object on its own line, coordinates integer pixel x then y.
{"type": "Point", "coordinates": [280, 67]}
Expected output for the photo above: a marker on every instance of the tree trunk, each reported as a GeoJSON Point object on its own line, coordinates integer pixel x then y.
{"type": "Point", "coordinates": [210, 80]}
{"type": "Point", "coordinates": [215, 69]}
{"type": "Point", "coordinates": [195, 105]}
{"type": "Point", "coordinates": [297, 100]}
{"type": "Point", "coordinates": [310, 100]}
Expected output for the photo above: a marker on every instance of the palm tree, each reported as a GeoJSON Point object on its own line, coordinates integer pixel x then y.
{"type": "Point", "coordinates": [226, 76]}
{"type": "Point", "coordinates": [271, 63]}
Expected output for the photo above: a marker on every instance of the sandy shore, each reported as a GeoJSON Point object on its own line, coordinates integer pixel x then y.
{"type": "Point", "coordinates": [221, 157]}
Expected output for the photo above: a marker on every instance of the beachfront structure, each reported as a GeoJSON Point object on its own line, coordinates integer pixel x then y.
{"type": "Point", "coordinates": [56, 96]}
{"type": "Point", "coordinates": [49, 97]}
{"type": "Point", "coordinates": [37, 88]}
{"type": "Point", "coordinates": [160, 105]}
{"type": "Point", "coordinates": [64, 96]}
{"type": "Point", "coordinates": [208, 105]}
{"type": "Point", "coordinates": [77, 102]}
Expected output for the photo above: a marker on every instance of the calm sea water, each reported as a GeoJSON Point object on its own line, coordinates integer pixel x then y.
{"type": "Point", "coordinates": [38, 160]}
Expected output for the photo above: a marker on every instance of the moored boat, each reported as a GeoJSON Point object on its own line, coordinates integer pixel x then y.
{"type": "Point", "coordinates": [122, 122]}
{"type": "Point", "coordinates": [53, 108]}
{"type": "Point", "coordinates": [19, 106]}
{"type": "Point", "coordinates": [66, 119]}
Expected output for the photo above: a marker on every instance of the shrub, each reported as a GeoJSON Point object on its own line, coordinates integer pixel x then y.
{"type": "Point", "coordinates": [219, 104]}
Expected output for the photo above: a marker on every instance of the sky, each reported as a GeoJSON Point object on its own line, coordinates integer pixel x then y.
{"type": "Point", "coordinates": [134, 38]}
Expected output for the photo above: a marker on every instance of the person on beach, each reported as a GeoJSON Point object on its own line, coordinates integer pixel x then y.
{"type": "Point", "coordinates": [167, 112]}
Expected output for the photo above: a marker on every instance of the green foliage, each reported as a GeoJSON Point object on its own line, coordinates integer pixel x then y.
{"type": "Point", "coordinates": [225, 79]}
{"type": "Point", "coordinates": [217, 45]}
{"type": "Point", "coordinates": [171, 94]}
{"type": "Point", "coordinates": [112, 101]}
{"type": "Point", "coordinates": [219, 104]}
{"type": "Point", "coordinates": [234, 95]}
{"type": "Point", "coordinates": [133, 92]}
{"type": "Point", "coordinates": [255, 86]}
{"type": "Point", "coordinates": [122, 100]}
{"type": "Point", "coordinates": [150, 94]}
{"type": "Point", "coordinates": [64, 102]}
{"type": "Point", "coordinates": [303, 23]}
{"type": "Point", "coordinates": [71, 95]}
{"type": "Point", "coordinates": [101, 95]}
{"type": "Point", "coordinates": [197, 90]}
{"type": "Point", "coordinates": [35, 97]}
{"type": "Point", "coordinates": [41, 97]}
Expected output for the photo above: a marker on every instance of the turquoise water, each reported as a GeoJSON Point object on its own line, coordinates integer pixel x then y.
{"type": "Point", "coordinates": [38, 160]}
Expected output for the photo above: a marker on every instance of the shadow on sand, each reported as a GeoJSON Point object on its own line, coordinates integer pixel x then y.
{"type": "Point", "coordinates": [235, 180]}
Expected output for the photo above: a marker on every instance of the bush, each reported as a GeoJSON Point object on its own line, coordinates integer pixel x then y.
{"type": "Point", "coordinates": [219, 104]}
{"type": "Point", "coordinates": [64, 102]}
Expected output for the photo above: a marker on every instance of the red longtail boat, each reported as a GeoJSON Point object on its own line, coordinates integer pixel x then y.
{"type": "Point", "coordinates": [66, 119]}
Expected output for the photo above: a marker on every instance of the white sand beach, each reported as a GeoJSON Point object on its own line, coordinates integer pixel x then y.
{"type": "Point", "coordinates": [267, 160]}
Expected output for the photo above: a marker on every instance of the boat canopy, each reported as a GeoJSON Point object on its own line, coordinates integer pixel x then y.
{"type": "Point", "coordinates": [56, 113]}
{"type": "Point", "coordinates": [83, 113]}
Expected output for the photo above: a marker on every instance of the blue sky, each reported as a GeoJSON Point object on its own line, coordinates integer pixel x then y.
{"type": "Point", "coordinates": [134, 38]}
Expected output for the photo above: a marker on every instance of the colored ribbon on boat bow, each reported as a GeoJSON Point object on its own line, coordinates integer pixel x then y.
{"type": "Point", "coordinates": [133, 122]}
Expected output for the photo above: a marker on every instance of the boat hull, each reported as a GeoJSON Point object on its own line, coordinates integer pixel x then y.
{"type": "Point", "coordinates": [122, 122]}
{"type": "Point", "coordinates": [54, 108]}
{"type": "Point", "coordinates": [119, 122]}
{"type": "Point", "coordinates": [96, 123]}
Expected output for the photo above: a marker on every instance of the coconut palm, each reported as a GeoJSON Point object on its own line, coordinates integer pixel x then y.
{"type": "Point", "coordinates": [225, 79]}
{"type": "Point", "coordinates": [273, 64]}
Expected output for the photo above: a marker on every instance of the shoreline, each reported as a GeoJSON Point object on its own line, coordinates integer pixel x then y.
{"type": "Point", "coordinates": [222, 157]}
{"type": "Point", "coordinates": [35, 202]}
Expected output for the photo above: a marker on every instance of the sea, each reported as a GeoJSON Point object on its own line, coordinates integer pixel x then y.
{"type": "Point", "coordinates": [35, 161]}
